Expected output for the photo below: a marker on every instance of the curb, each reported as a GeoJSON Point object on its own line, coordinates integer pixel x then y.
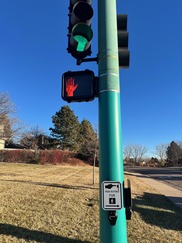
{"type": "Point", "coordinates": [171, 193]}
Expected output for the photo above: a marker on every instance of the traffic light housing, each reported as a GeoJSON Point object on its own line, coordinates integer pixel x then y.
{"type": "Point", "coordinates": [78, 86]}
{"type": "Point", "coordinates": [80, 33]}
{"type": "Point", "coordinates": [123, 52]}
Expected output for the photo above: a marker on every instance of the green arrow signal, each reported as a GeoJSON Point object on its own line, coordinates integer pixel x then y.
{"type": "Point", "coordinates": [82, 42]}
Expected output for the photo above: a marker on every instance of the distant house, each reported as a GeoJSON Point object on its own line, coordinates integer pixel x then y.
{"type": "Point", "coordinates": [2, 144]}
{"type": "Point", "coordinates": [2, 138]}
{"type": "Point", "coordinates": [143, 163]}
{"type": "Point", "coordinates": [38, 142]}
{"type": "Point", "coordinates": [44, 142]}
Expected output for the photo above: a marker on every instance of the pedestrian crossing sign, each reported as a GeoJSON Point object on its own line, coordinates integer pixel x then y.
{"type": "Point", "coordinates": [111, 195]}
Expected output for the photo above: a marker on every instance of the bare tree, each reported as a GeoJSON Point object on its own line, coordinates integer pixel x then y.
{"type": "Point", "coordinates": [6, 106]}
{"type": "Point", "coordinates": [128, 152]}
{"type": "Point", "coordinates": [96, 152]}
{"type": "Point", "coordinates": [29, 138]}
{"type": "Point", "coordinates": [135, 151]}
{"type": "Point", "coordinates": [138, 152]}
{"type": "Point", "coordinates": [160, 151]}
{"type": "Point", "coordinates": [10, 125]}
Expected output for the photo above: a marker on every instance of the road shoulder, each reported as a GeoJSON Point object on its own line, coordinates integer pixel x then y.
{"type": "Point", "coordinates": [171, 193]}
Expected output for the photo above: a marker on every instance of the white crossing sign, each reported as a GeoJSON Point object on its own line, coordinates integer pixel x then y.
{"type": "Point", "coordinates": [111, 195]}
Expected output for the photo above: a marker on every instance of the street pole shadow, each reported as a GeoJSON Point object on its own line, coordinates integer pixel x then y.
{"type": "Point", "coordinates": [34, 235]}
{"type": "Point", "coordinates": [156, 209]}
{"type": "Point", "coordinates": [64, 186]}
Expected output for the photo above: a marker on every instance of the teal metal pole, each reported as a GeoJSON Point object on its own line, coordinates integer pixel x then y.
{"type": "Point", "coordinates": [110, 141]}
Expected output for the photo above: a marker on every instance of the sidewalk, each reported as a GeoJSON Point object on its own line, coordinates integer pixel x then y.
{"type": "Point", "coordinates": [171, 193]}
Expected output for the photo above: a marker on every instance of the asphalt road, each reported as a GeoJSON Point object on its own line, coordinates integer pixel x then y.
{"type": "Point", "coordinates": [172, 176]}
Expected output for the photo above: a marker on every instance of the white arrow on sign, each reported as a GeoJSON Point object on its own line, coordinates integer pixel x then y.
{"type": "Point", "coordinates": [111, 195]}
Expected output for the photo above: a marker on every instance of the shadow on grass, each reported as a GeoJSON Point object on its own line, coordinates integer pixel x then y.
{"type": "Point", "coordinates": [34, 235]}
{"type": "Point", "coordinates": [157, 210]}
{"type": "Point", "coordinates": [54, 185]}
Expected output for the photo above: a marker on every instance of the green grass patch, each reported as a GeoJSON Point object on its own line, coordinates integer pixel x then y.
{"type": "Point", "coordinates": [60, 204]}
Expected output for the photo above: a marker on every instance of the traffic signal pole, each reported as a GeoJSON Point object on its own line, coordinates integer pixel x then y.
{"type": "Point", "coordinates": [111, 161]}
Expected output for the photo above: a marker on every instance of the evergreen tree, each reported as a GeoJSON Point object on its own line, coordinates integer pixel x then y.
{"type": "Point", "coordinates": [66, 128]}
{"type": "Point", "coordinates": [88, 139]}
{"type": "Point", "coordinates": [174, 153]}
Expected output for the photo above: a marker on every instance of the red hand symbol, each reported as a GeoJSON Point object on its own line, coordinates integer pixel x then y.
{"type": "Point", "coordinates": [70, 87]}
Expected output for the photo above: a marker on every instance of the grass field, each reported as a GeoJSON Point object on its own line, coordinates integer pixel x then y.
{"type": "Point", "coordinates": [60, 204]}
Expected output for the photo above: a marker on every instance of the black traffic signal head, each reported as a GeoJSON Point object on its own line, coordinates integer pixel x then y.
{"type": "Point", "coordinates": [80, 33]}
{"type": "Point", "coordinates": [78, 86]}
{"type": "Point", "coordinates": [123, 52]}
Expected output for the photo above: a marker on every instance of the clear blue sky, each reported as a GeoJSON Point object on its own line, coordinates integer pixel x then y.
{"type": "Point", "coordinates": [33, 57]}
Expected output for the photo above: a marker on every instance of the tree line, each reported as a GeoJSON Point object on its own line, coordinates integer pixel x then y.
{"type": "Point", "coordinates": [67, 133]}
{"type": "Point", "coordinates": [167, 154]}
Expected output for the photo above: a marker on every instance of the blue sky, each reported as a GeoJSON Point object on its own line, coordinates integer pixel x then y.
{"type": "Point", "coordinates": [33, 57]}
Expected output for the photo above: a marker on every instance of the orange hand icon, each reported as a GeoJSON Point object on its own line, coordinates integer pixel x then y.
{"type": "Point", "coordinates": [70, 86]}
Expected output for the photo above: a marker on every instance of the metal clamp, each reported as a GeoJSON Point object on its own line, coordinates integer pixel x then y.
{"type": "Point", "coordinates": [91, 59]}
{"type": "Point", "coordinates": [112, 217]}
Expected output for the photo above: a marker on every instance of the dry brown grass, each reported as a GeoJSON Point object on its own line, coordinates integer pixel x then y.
{"type": "Point", "coordinates": [155, 218]}
{"type": "Point", "coordinates": [48, 204]}
{"type": "Point", "coordinates": [59, 204]}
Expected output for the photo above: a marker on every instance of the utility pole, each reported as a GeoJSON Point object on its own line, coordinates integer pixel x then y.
{"type": "Point", "coordinates": [77, 86]}
{"type": "Point", "coordinates": [110, 140]}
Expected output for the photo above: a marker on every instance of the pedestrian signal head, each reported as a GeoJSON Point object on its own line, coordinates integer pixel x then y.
{"type": "Point", "coordinates": [78, 86]}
